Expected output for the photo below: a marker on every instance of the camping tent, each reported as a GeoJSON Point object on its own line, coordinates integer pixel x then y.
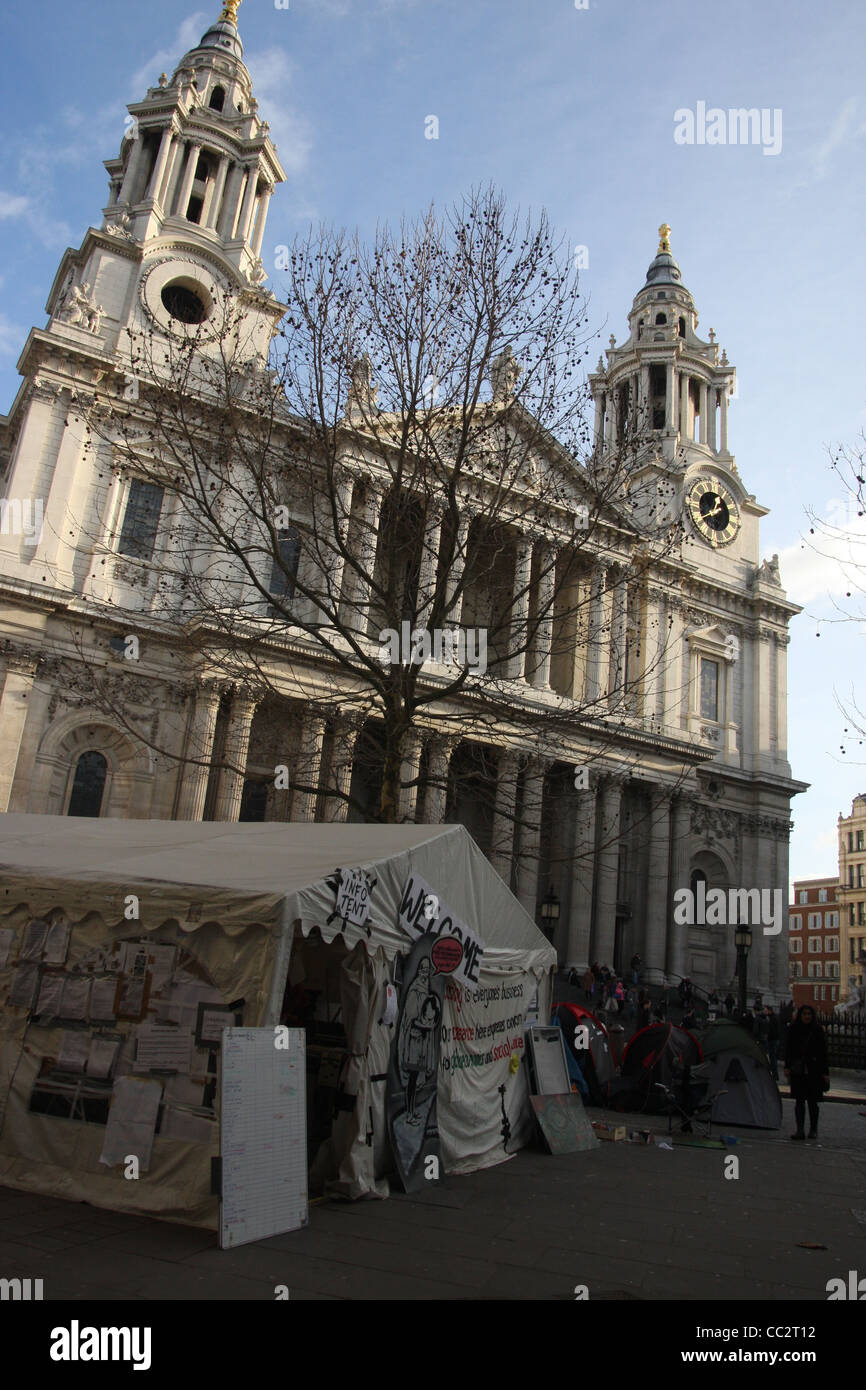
{"type": "Point", "coordinates": [655, 1057]}
{"type": "Point", "coordinates": [735, 1064]}
{"type": "Point", "coordinates": [114, 931]}
{"type": "Point", "coordinates": [596, 1061]}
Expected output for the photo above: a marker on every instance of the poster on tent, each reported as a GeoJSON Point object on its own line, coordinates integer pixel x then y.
{"type": "Point", "coordinates": [413, 1066]}
{"type": "Point", "coordinates": [423, 912]}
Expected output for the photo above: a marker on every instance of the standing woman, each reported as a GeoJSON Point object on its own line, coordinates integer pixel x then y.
{"type": "Point", "coordinates": [806, 1068]}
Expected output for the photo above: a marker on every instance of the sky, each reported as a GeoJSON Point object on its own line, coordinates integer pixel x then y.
{"type": "Point", "coordinates": [564, 106]}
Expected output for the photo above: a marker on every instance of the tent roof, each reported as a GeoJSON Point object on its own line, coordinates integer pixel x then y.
{"type": "Point", "coordinates": [726, 1035]}
{"type": "Point", "coordinates": [263, 872]}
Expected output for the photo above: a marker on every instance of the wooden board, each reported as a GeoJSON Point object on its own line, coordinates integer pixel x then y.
{"type": "Point", "coordinates": [564, 1123]}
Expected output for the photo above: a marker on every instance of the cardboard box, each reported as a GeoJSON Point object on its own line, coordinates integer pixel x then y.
{"type": "Point", "coordinates": [611, 1133]}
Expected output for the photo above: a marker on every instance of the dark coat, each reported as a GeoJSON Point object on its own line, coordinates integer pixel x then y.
{"type": "Point", "coordinates": [806, 1059]}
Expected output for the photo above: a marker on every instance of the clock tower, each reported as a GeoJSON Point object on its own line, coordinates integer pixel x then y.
{"type": "Point", "coordinates": [662, 400]}
{"type": "Point", "coordinates": [181, 238]}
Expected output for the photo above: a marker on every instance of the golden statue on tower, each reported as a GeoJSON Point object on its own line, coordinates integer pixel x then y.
{"type": "Point", "coordinates": [665, 242]}
{"type": "Point", "coordinates": [230, 11]}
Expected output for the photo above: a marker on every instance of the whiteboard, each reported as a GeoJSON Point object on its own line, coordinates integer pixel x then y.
{"type": "Point", "coordinates": [548, 1056]}
{"type": "Point", "coordinates": [263, 1134]}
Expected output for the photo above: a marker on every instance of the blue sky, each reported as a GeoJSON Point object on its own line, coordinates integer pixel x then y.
{"type": "Point", "coordinates": [570, 109]}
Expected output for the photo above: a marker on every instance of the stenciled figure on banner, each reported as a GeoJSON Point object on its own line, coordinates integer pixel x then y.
{"type": "Point", "coordinates": [414, 1066]}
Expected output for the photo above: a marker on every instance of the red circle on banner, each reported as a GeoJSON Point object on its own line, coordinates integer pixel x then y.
{"type": "Point", "coordinates": [447, 954]}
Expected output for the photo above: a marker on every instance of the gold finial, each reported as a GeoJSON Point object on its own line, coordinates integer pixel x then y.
{"type": "Point", "coordinates": [230, 11]}
{"type": "Point", "coordinates": [665, 242]}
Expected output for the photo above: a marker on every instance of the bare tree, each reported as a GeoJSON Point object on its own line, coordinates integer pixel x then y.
{"type": "Point", "coordinates": [841, 537]}
{"type": "Point", "coordinates": [395, 521]}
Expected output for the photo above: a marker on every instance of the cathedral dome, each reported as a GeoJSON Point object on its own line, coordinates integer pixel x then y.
{"type": "Point", "coordinates": [663, 270]}
{"type": "Point", "coordinates": [224, 37]}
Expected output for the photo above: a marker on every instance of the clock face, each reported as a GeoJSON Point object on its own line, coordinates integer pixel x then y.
{"type": "Point", "coordinates": [713, 511]}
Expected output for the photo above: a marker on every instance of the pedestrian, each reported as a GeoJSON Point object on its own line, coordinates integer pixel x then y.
{"type": "Point", "coordinates": [619, 995]}
{"type": "Point", "coordinates": [747, 1021]}
{"type": "Point", "coordinates": [634, 967]}
{"type": "Point", "coordinates": [661, 1010]}
{"type": "Point", "coordinates": [762, 1029]}
{"type": "Point", "coordinates": [773, 1042]}
{"type": "Point", "coordinates": [588, 984]}
{"type": "Point", "coordinates": [806, 1068]}
{"type": "Point", "coordinates": [689, 1019]}
{"type": "Point", "coordinates": [631, 1004]}
{"type": "Point", "coordinates": [729, 1004]}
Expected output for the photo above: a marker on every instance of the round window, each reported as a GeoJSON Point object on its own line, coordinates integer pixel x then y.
{"type": "Point", "coordinates": [185, 303]}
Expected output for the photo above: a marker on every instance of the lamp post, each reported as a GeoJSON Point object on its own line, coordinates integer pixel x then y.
{"type": "Point", "coordinates": [743, 942]}
{"type": "Point", "coordinates": [549, 914]}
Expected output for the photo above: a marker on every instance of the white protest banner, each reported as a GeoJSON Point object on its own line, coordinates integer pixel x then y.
{"type": "Point", "coordinates": [353, 897]}
{"type": "Point", "coordinates": [459, 951]}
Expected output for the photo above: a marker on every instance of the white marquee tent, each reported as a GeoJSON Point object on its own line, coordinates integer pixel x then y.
{"type": "Point", "coordinates": [225, 915]}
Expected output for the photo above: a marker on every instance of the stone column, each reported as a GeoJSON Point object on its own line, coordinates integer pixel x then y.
{"type": "Point", "coordinates": [333, 534]}
{"type": "Point", "coordinates": [674, 681]}
{"type": "Point", "coordinates": [599, 420]}
{"type": "Point", "coordinates": [681, 863]}
{"type": "Point", "coordinates": [226, 224]}
{"type": "Point", "coordinates": [684, 405]}
{"type": "Point", "coordinates": [669, 395]}
{"type": "Point", "coordinates": [308, 769]}
{"type": "Point", "coordinates": [358, 617]}
{"type": "Point", "coordinates": [711, 418]}
{"type": "Point", "coordinates": [199, 750]}
{"type": "Point", "coordinates": [675, 398]}
{"type": "Point", "coordinates": [530, 835]}
{"type": "Point", "coordinates": [345, 737]}
{"type": "Point", "coordinates": [604, 934]}
{"type": "Point", "coordinates": [17, 686]}
{"type": "Point", "coordinates": [618, 600]}
{"type": "Point", "coordinates": [262, 218]}
{"type": "Point", "coordinates": [645, 412]}
{"type": "Point", "coordinates": [129, 188]}
{"type": "Point", "coordinates": [237, 744]}
{"type": "Point", "coordinates": [595, 644]}
{"type": "Point", "coordinates": [544, 620]}
{"type": "Point", "coordinates": [430, 544]}
{"type": "Point", "coordinates": [159, 167]}
{"type": "Point", "coordinates": [659, 836]}
{"type": "Point", "coordinates": [504, 816]}
{"type": "Point", "coordinates": [410, 765]}
{"type": "Point", "coordinates": [213, 216]}
{"type": "Point", "coordinates": [520, 608]}
{"type": "Point", "coordinates": [188, 178]}
{"type": "Point", "coordinates": [454, 606]}
{"type": "Point", "coordinates": [703, 438]}
{"type": "Point", "coordinates": [436, 799]}
{"type": "Point", "coordinates": [655, 654]}
{"type": "Point", "coordinates": [250, 195]}
{"type": "Point", "coordinates": [723, 423]}
{"type": "Point", "coordinates": [582, 869]}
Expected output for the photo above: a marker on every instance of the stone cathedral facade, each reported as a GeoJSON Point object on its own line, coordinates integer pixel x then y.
{"type": "Point", "coordinates": [693, 785]}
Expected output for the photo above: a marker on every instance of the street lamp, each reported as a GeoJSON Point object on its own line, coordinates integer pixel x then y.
{"type": "Point", "coordinates": [743, 943]}
{"type": "Point", "coordinates": [549, 913]}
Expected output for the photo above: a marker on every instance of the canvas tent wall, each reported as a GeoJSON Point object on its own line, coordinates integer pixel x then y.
{"type": "Point", "coordinates": [231, 899]}
{"type": "Point", "coordinates": [735, 1064]}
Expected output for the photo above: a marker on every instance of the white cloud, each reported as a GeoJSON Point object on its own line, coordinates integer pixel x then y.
{"type": "Point", "coordinates": [831, 563]}
{"type": "Point", "coordinates": [166, 59]}
{"type": "Point", "coordinates": [273, 74]}
{"type": "Point", "coordinates": [11, 338]}
{"type": "Point", "coordinates": [13, 205]}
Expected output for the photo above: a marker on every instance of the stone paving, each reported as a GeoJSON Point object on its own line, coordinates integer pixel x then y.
{"type": "Point", "coordinates": [631, 1222]}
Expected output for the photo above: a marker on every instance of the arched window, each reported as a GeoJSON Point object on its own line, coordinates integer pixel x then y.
{"type": "Point", "coordinates": [284, 570]}
{"type": "Point", "coordinates": [682, 327]}
{"type": "Point", "coordinates": [698, 876]}
{"type": "Point", "coordinates": [661, 318]}
{"type": "Point", "coordinates": [217, 99]}
{"type": "Point", "coordinates": [88, 787]}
